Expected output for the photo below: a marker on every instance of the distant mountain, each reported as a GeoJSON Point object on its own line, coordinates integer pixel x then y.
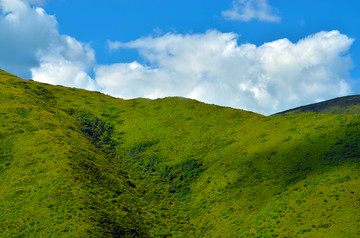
{"type": "Point", "coordinates": [341, 105]}
{"type": "Point", "coordinates": [75, 163]}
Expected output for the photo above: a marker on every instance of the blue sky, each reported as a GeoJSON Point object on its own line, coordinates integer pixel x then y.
{"type": "Point", "coordinates": [258, 55]}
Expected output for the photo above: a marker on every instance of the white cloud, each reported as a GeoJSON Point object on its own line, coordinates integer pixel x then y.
{"type": "Point", "coordinates": [32, 46]}
{"type": "Point", "coordinates": [247, 10]}
{"type": "Point", "coordinates": [66, 62]}
{"type": "Point", "coordinates": [35, 2]}
{"type": "Point", "coordinates": [214, 68]}
{"type": "Point", "coordinates": [24, 31]}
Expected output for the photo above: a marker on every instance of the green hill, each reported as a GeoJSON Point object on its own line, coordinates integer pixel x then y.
{"type": "Point", "coordinates": [75, 163]}
{"type": "Point", "coordinates": [341, 105]}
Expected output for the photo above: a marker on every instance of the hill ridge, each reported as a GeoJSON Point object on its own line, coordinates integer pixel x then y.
{"type": "Point", "coordinates": [83, 164]}
{"type": "Point", "coordinates": [340, 105]}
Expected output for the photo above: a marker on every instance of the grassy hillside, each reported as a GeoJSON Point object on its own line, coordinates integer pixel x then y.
{"type": "Point", "coordinates": [75, 163]}
{"type": "Point", "coordinates": [341, 105]}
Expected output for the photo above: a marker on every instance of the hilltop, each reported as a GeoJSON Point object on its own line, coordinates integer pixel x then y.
{"type": "Point", "coordinates": [341, 105]}
{"type": "Point", "coordinates": [75, 163]}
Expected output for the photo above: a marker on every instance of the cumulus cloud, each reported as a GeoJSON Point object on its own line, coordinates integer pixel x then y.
{"type": "Point", "coordinates": [247, 10]}
{"type": "Point", "coordinates": [24, 31]}
{"type": "Point", "coordinates": [31, 46]}
{"type": "Point", "coordinates": [35, 2]}
{"type": "Point", "coordinates": [214, 68]}
{"type": "Point", "coordinates": [66, 62]}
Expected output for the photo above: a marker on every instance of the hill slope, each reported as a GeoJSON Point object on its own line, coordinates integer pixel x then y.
{"type": "Point", "coordinates": [79, 163]}
{"type": "Point", "coordinates": [341, 105]}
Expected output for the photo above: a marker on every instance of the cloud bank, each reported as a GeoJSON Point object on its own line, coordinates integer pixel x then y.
{"type": "Point", "coordinates": [31, 46]}
{"type": "Point", "coordinates": [214, 68]}
{"type": "Point", "coordinates": [211, 67]}
{"type": "Point", "coordinates": [247, 10]}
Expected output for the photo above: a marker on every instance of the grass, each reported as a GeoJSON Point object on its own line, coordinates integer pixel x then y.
{"type": "Point", "coordinates": [75, 163]}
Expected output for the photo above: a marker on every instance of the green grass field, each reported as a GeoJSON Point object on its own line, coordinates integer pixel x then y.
{"type": "Point", "coordinates": [75, 163]}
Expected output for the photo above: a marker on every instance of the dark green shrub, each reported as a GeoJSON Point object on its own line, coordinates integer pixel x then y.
{"type": "Point", "coordinates": [99, 131]}
{"type": "Point", "coordinates": [181, 175]}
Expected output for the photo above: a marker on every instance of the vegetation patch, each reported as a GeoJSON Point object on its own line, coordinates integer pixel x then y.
{"type": "Point", "coordinates": [180, 176]}
{"type": "Point", "coordinates": [99, 131]}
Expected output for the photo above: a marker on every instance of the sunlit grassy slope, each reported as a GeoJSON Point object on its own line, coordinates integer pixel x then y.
{"type": "Point", "coordinates": [75, 163]}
